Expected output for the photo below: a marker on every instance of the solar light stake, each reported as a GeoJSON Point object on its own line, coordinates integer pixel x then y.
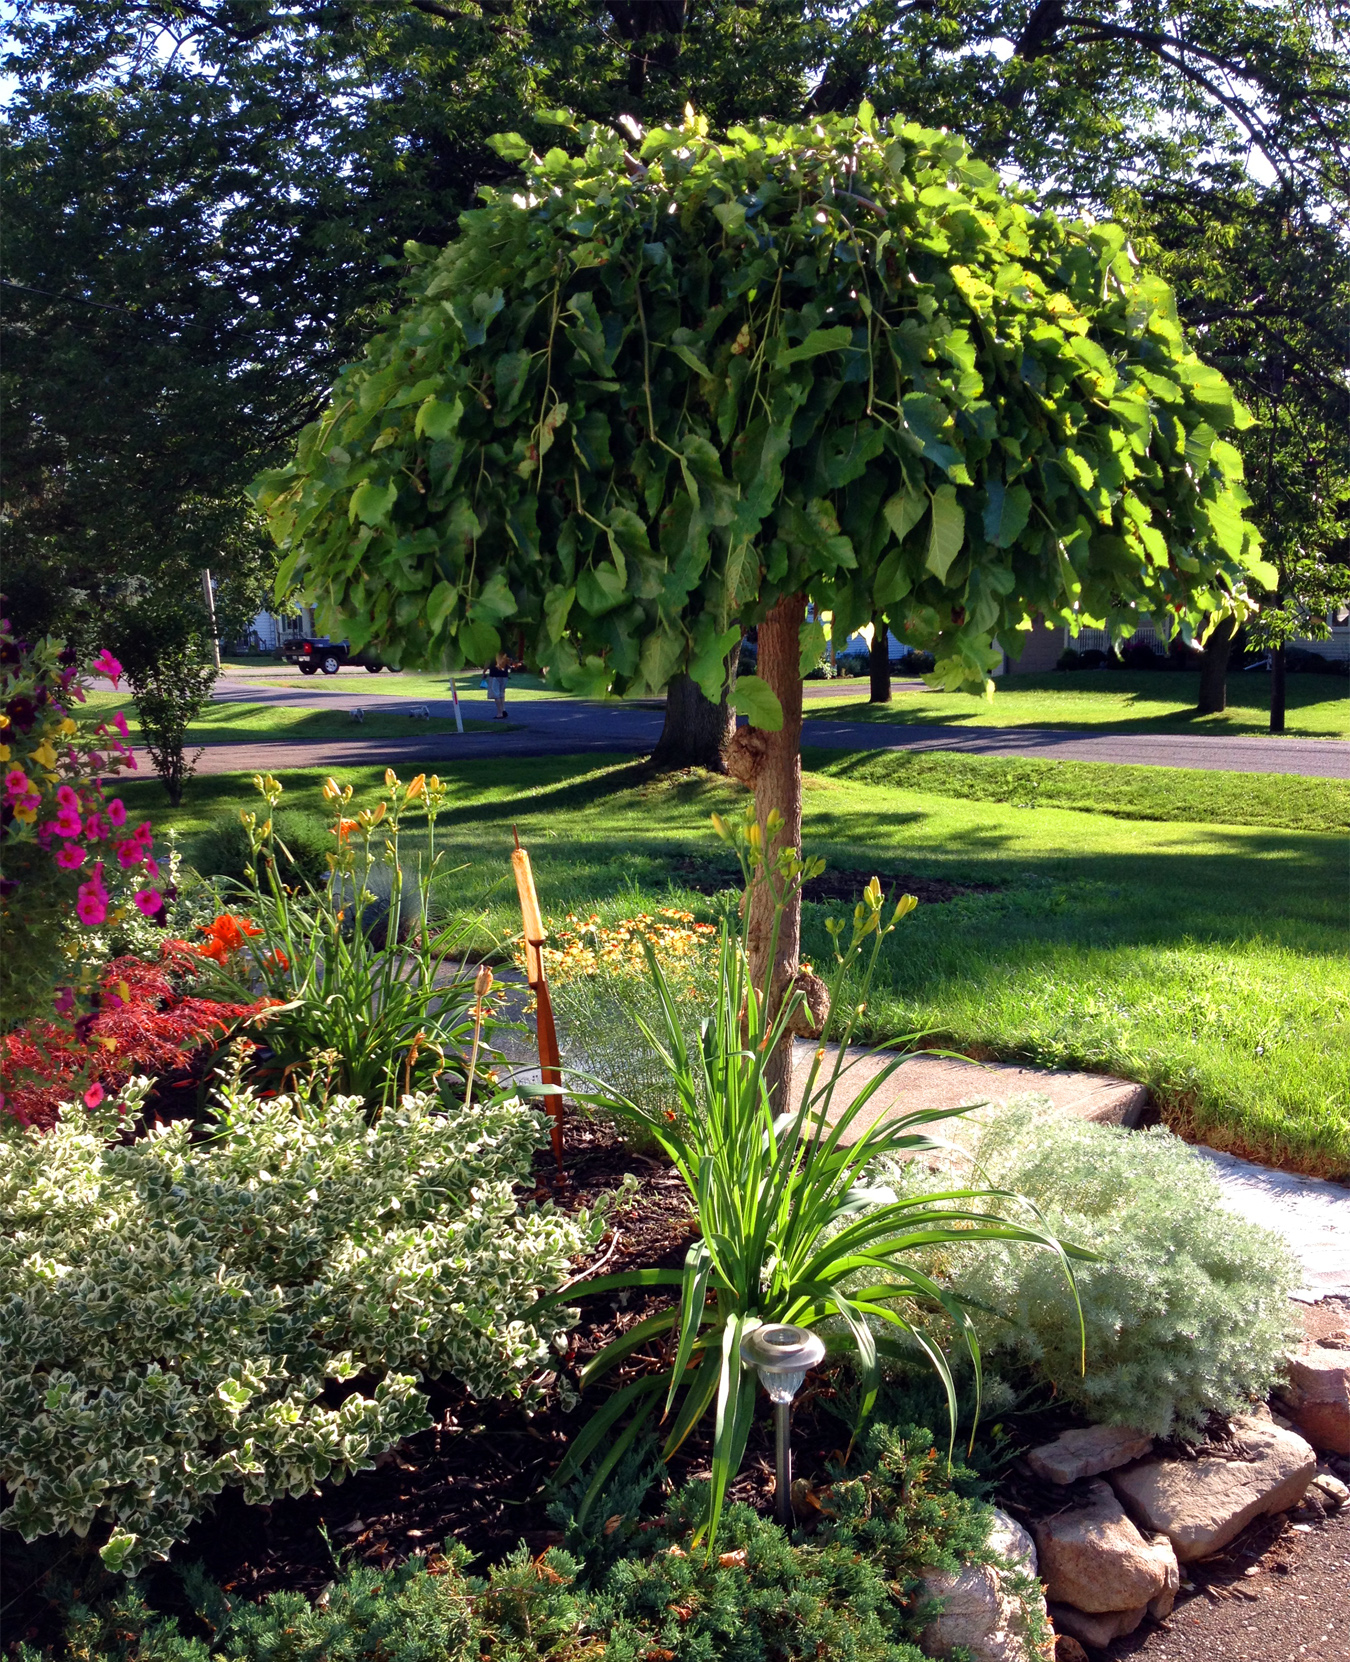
{"type": "Point", "coordinates": [782, 1355]}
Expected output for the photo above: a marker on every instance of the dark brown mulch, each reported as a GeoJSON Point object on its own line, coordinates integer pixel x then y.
{"type": "Point", "coordinates": [479, 1475]}
{"type": "Point", "coordinates": [708, 877]}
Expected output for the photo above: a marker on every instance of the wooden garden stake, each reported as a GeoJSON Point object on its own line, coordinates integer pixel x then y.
{"type": "Point", "coordinates": [550, 1063]}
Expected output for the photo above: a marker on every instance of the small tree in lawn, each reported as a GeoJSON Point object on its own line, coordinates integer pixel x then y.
{"type": "Point", "coordinates": [166, 651]}
{"type": "Point", "coordinates": [644, 401]}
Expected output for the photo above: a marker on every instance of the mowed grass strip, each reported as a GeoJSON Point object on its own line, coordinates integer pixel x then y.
{"type": "Point", "coordinates": [1126, 701]}
{"type": "Point", "coordinates": [1192, 795]}
{"type": "Point", "coordinates": [254, 723]}
{"type": "Point", "coordinates": [1206, 960]}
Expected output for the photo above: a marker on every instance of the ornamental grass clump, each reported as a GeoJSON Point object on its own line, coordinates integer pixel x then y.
{"type": "Point", "coordinates": [787, 1224]}
{"type": "Point", "coordinates": [175, 1309]}
{"type": "Point", "coordinates": [1186, 1304]}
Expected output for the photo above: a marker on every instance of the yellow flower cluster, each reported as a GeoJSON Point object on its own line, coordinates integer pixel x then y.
{"type": "Point", "coordinates": [588, 947]}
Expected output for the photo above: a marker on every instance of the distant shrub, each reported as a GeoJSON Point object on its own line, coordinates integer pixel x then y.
{"type": "Point", "coordinates": [1187, 1310]}
{"type": "Point", "coordinates": [1141, 655]}
{"type": "Point", "coordinates": [915, 663]}
{"type": "Point", "coordinates": [224, 848]}
{"type": "Point", "coordinates": [1070, 658]}
{"type": "Point", "coordinates": [175, 1310]}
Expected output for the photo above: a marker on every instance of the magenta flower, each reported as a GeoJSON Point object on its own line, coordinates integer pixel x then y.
{"type": "Point", "coordinates": [150, 901]}
{"type": "Point", "coordinates": [94, 1095]}
{"type": "Point", "coordinates": [69, 857]}
{"type": "Point", "coordinates": [64, 1002]}
{"type": "Point", "coordinates": [93, 828]}
{"type": "Point", "coordinates": [91, 907]}
{"type": "Point", "coordinates": [16, 782]}
{"type": "Point", "coordinates": [68, 823]}
{"type": "Point", "coordinates": [117, 813]}
{"type": "Point", "coordinates": [106, 664]}
{"type": "Point", "coordinates": [66, 798]}
{"type": "Point", "coordinates": [120, 723]}
{"type": "Point", "coordinates": [129, 854]}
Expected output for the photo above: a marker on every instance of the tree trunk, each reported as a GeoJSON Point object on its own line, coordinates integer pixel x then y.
{"type": "Point", "coordinates": [880, 663]}
{"type": "Point", "coordinates": [771, 764]}
{"type": "Point", "coordinates": [696, 730]}
{"type": "Point", "coordinates": [1213, 699]}
{"type": "Point", "coordinates": [1277, 671]}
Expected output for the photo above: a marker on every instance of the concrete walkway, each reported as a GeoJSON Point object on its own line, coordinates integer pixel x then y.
{"type": "Point", "coordinates": [567, 727]}
{"type": "Point", "coordinates": [1313, 1215]}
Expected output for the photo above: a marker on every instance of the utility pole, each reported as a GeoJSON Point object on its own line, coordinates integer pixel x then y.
{"type": "Point", "coordinates": [209, 596]}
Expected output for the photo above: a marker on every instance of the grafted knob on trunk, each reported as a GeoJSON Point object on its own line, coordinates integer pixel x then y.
{"type": "Point", "coordinates": [743, 754]}
{"type": "Point", "coordinates": [809, 1019]}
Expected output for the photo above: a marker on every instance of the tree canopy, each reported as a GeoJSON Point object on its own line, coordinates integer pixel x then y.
{"type": "Point", "coordinates": [642, 396]}
{"type": "Point", "coordinates": [207, 202]}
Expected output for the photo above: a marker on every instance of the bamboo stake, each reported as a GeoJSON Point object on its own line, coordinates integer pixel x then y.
{"type": "Point", "coordinates": [550, 1062]}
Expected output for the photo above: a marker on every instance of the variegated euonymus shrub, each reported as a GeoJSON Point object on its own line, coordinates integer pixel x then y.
{"type": "Point", "coordinates": [172, 1311]}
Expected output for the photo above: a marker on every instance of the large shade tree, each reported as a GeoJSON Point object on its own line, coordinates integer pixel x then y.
{"type": "Point", "coordinates": [652, 395]}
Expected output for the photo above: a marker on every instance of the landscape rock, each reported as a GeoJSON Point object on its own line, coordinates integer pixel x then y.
{"type": "Point", "coordinates": [1160, 1607]}
{"type": "Point", "coordinates": [1094, 1558]}
{"type": "Point", "coordinates": [1331, 1489]}
{"type": "Point", "coordinates": [978, 1610]}
{"type": "Point", "coordinates": [1067, 1649]}
{"type": "Point", "coordinates": [1201, 1504]}
{"type": "Point", "coordinates": [1317, 1397]}
{"type": "Point", "coordinates": [1096, 1631]}
{"type": "Point", "coordinates": [1088, 1450]}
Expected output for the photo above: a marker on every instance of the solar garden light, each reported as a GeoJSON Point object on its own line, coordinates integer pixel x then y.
{"type": "Point", "coordinates": [782, 1355]}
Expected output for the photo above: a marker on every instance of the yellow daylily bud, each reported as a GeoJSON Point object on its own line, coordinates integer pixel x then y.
{"type": "Point", "coordinates": [719, 825]}
{"type": "Point", "coordinates": [416, 787]}
{"type": "Point", "coordinates": [872, 894]}
{"type": "Point", "coordinates": [331, 790]}
{"type": "Point", "coordinates": [390, 778]}
{"type": "Point", "coordinates": [904, 906]}
{"type": "Point", "coordinates": [756, 836]}
{"type": "Point", "coordinates": [774, 823]}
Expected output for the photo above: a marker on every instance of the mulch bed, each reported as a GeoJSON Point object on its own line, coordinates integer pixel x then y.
{"type": "Point", "coordinates": [707, 877]}
{"type": "Point", "coordinates": [480, 1474]}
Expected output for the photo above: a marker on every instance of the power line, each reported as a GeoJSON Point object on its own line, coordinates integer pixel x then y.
{"type": "Point", "coordinates": [79, 299]}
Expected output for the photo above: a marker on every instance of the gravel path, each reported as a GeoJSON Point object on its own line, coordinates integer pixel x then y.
{"type": "Point", "coordinates": [1281, 1593]}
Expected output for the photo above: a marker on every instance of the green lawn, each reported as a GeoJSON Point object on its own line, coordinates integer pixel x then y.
{"type": "Point", "coordinates": [1206, 959]}
{"type": "Point", "coordinates": [1150, 701]}
{"type": "Point", "coordinates": [407, 684]}
{"type": "Point", "coordinates": [247, 723]}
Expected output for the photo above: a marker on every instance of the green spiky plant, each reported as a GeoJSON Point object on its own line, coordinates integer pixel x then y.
{"type": "Point", "coordinates": [790, 1228]}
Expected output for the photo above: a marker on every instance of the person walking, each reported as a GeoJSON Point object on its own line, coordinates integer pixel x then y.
{"type": "Point", "coordinates": [497, 672]}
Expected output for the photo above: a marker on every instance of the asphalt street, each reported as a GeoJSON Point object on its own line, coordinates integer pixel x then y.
{"type": "Point", "coordinates": [564, 727]}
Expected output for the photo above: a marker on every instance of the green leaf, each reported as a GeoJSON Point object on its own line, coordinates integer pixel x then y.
{"type": "Point", "coordinates": [811, 637]}
{"type": "Point", "coordinates": [494, 601]}
{"type": "Point", "coordinates": [948, 532]}
{"type": "Point", "coordinates": [758, 703]}
{"type": "Point", "coordinates": [372, 503]}
{"type": "Point", "coordinates": [437, 419]}
{"type": "Point", "coordinates": [511, 147]}
{"type": "Point", "coordinates": [1006, 514]}
{"type": "Point", "coordinates": [440, 605]}
{"type": "Point", "coordinates": [508, 379]}
{"type": "Point", "coordinates": [817, 342]}
{"type": "Point", "coordinates": [557, 604]}
{"type": "Point", "coordinates": [904, 511]}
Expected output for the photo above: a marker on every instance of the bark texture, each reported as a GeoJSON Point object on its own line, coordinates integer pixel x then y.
{"type": "Point", "coordinates": [770, 763]}
{"type": "Point", "coordinates": [1213, 697]}
{"type": "Point", "coordinates": [695, 731]}
{"type": "Point", "coordinates": [880, 663]}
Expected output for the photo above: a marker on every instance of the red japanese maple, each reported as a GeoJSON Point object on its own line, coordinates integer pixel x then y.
{"type": "Point", "coordinates": [147, 1021]}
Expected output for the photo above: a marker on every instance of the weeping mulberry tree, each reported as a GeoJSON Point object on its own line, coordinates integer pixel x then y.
{"type": "Point", "coordinates": [650, 397]}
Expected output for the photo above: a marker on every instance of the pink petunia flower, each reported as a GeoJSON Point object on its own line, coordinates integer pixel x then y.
{"type": "Point", "coordinates": [70, 856]}
{"type": "Point", "coordinates": [117, 813]}
{"type": "Point", "coordinates": [90, 907]}
{"type": "Point", "coordinates": [64, 1002]}
{"type": "Point", "coordinates": [16, 782]}
{"type": "Point", "coordinates": [68, 823]}
{"type": "Point", "coordinates": [120, 723]}
{"type": "Point", "coordinates": [106, 664]}
{"type": "Point", "coordinates": [66, 798]}
{"type": "Point", "coordinates": [94, 828]}
{"type": "Point", "coordinates": [151, 866]}
{"type": "Point", "coordinates": [150, 901]}
{"type": "Point", "coordinates": [94, 1095]}
{"type": "Point", "coordinates": [129, 854]}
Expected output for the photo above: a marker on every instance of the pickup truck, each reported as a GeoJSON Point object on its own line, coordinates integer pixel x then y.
{"type": "Point", "coordinates": [312, 653]}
